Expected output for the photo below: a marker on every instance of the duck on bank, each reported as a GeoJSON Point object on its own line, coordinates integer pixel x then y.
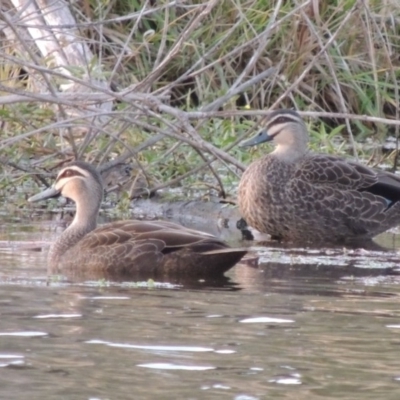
{"type": "Point", "coordinates": [295, 195]}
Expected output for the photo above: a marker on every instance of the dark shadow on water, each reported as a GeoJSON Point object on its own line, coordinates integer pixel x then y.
{"type": "Point", "coordinates": [369, 245]}
{"type": "Point", "coordinates": [315, 279]}
{"type": "Point", "coordinates": [320, 272]}
{"type": "Point", "coordinates": [252, 236]}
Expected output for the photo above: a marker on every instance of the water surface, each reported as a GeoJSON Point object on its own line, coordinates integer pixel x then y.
{"type": "Point", "coordinates": [308, 324]}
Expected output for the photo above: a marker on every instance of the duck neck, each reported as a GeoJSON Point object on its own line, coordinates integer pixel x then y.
{"type": "Point", "coordinates": [85, 221]}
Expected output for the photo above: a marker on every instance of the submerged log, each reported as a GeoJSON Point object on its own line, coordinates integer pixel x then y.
{"type": "Point", "coordinates": [219, 219]}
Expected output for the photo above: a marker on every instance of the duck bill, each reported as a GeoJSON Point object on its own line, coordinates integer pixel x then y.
{"type": "Point", "coordinates": [46, 194]}
{"type": "Point", "coordinates": [260, 137]}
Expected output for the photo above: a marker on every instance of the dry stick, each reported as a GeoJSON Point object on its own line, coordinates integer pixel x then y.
{"type": "Point", "coordinates": [48, 98]}
{"type": "Point", "coordinates": [192, 171]}
{"type": "Point", "coordinates": [66, 98]}
{"type": "Point", "coordinates": [57, 125]}
{"type": "Point", "coordinates": [13, 26]}
{"type": "Point", "coordinates": [198, 142]}
{"type": "Point", "coordinates": [51, 99]}
{"type": "Point", "coordinates": [88, 138]}
{"type": "Point", "coordinates": [168, 152]}
{"type": "Point", "coordinates": [33, 57]}
{"type": "Point", "coordinates": [205, 115]}
{"type": "Point", "coordinates": [131, 152]}
{"type": "Point", "coordinates": [111, 144]}
{"type": "Point", "coordinates": [88, 84]}
{"type": "Point", "coordinates": [124, 156]}
{"type": "Point", "coordinates": [264, 113]}
{"type": "Point", "coordinates": [221, 185]}
{"type": "Point", "coordinates": [151, 142]}
{"type": "Point", "coordinates": [200, 145]}
{"type": "Point", "coordinates": [63, 124]}
{"type": "Point", "coordinates": [71, 99]}
{"type": "Point", "coordinates": [156, 73]}
{"type": "Point", "coordinates": [140, 166]}
{"type": "Point", "coordinates": [23, 169]}
{"type": "Point", "coordinates": [333, 74]}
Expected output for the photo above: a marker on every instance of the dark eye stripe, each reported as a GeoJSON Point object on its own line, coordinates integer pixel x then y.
{"type": "Point", "coordinates": [68, 173]}
{"type": "Point", "coordinates": [281, 119]}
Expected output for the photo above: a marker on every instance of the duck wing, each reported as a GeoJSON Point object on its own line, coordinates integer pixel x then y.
{"type": "Point", "coordinates": [338, 173]}
{"type": "Point", "coordinates": [335, 171]}
{"type": "Point", "coordinates": [130, 248]}
{"type": "Point", "coordinates": [172, 235]}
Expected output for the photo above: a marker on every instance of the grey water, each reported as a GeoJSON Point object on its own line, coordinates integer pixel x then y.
{"type": "Point", "coordinates": [305, 324]}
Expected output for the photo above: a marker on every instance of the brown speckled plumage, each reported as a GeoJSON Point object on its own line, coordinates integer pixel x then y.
{"type": "Point", "coordinates": [295, 195]}
{"type": "Point", "coordinates": [131, 249]}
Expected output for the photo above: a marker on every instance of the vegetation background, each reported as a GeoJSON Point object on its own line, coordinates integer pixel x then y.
{"type": "Point", "coordinates": [166, 89]}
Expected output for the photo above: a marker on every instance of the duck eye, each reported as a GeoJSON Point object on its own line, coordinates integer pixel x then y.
{"type": "Point", "coordinates": [67, 173]}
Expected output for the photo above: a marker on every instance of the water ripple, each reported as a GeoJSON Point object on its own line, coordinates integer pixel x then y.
{"type": "Point", "coordinates": [176, 366]}
{"type": "Point", "coordinates": [268, 320]}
